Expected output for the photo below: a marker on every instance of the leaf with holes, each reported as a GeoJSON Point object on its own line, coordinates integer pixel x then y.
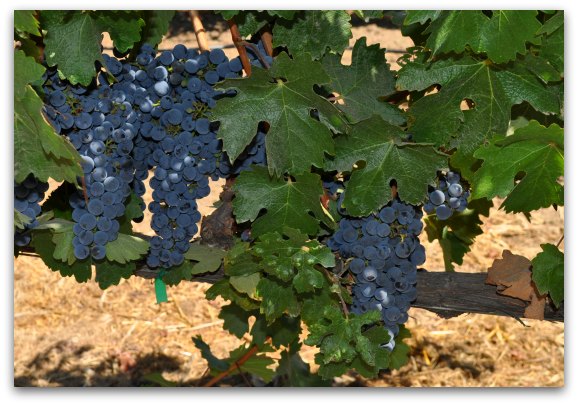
{"type": "Point", "coordinates": [283, 96]}
{"type": "Point", "coordinates": [124, 27]}
{"type": "Point", "coordinates": [535, 151]}
{"type": "Point", "coordinates": [386, 157]}
{"type": "Point", "coordinates": [291, 203]}
{"type": "Point", "coordinates": [362, 84]}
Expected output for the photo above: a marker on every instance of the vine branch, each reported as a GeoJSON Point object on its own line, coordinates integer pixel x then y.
{"type": "Point", "coordinates": [235, 366]}
{"type": "Point", "coordinates": [199, 29]}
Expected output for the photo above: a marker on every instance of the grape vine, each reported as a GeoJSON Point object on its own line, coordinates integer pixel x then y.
{"type": "Point", "coordinates": [333, 170]}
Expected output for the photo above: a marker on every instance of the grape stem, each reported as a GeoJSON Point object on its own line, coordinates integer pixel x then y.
{"type": "Point", "coordinates": [237, 41]}
{"type": "Point", "coordinates": [334, 280]}
{"type": "Point", "coordinates": [200, 32]}
{"type": "Point", "coordinates": [235, 366]}
{"type": "Point", "coordinates": [560, 241]}
{"type": "Point", "coordinates": [267, 39]}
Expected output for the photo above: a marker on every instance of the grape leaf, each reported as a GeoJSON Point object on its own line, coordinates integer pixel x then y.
{"type": "Point", "coordinates": [208, 258]}
{"type": "Point", "coordinates": [45, 248]}
{"type": "Point", "coordinates": [284, 331]}
{"type": "Point", "coordinates": [314, 32]}
{"type": "Point", "coordinates": [553, 23]}
{"type": "Point", "coordinates": [110, 273]}
{"type": "Point", "coordinates": [26, 22]}
{"type": "Point", "coordinates": [73, 44]}
{"type": "Point", "coordinates": [286, 14]}
{"type": "Point", "coordinates": [26, 71]}
{"type": "Point", "coordinates": [246, 284]}
{"type": "Point", "coordinates": [458, 233]}
{"type": "Point", "coordinates": [258, 364]}
{"type": "Point", "coordinates": [214, 362]}
{"type": "Point", "coordinates": [340, 339]}
{"type": "Point", "coordinates": [278, 298]}
{"type": "Point", "coordinates": [283, 96]}
{"type": "Point", "coordinates": [294, 258]}
{"type": "Point", "coordinates": [251, 21]}
{"type": "Point", "coordinates": [378, 144]}
{"type": "Point", "coordinates": [175, 275]}
{"type": "Point", "coordinates": [228, 14]}
{"type": "Point", "coordinates": [548, 272]}
{"type": "Point", "coordinates": [156, 25]}
{"type": "Point", "coordinates": [438, 117]}
{"type": "Point", "coordinates": [133, 209]}
{"type": "Point", "coordinates": [126, 248]}
{"type": "Point", "coordinates": [534, 150]}
{"type": "Point", "coordinates": [224, 289]}
{"type": "Point", "coordinates": [124, 27]}
{"type": "Point", "coordinates": [361, 84]}
{"type": "Point", "coordinates": [421, 16]}
{"type": "Point", "coordinates": [20, 220]}
{"type": "Point", "coordinates": [501, 37]}
{"type": "Point", "coordinates": [236, 319]}
{"type": "Point", "coordinates": [296, 371]}
{"type": "Point", "coordinates": [38, 149]}
{"type": "Point", "coordinates": [552, 47]}
{"type": "Point", "coordinates": [400, 354]}
{"type": "Point", "coordinates": [368, 15]}
{"type": "Point", "coordinates": [239, 261]}
{"type": "Point", "coordinates": [377, 335]}
{"type": "Point", "coordinates": [542, 68]}
{"type": "Point", "coordinates": [287, 203]}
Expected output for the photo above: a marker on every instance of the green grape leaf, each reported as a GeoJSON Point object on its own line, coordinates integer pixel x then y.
{"type": "Point", "coordinates": [124, 27]}
{"type": "Point", "coordinates": [73, 44]}
{"type": "Point", "coordinates": [542, 68]}
{"type": "Point", "coordinates": [239, 261]}
{"type": "Point", "coordinates": [376, 335]}
{"type": "Point", "coordinates": [296, 371]}
{"type": "Point", "coordinates": [175, 275]}
{"type": "Point", "coordinates": [26, 71]}
{"type": "Point", "coordinates": [323, 297]}
{"type": "Point", "coordinates": [294, 258]}
{"type": "Point", "coordinates": [21, 220]}
{"type": "Point", "coordinates": [26, 22]}
{"type": "Point", "coordinates": [224, 289]}
{"type": "Point", "coordinates": [421, 16]}
{"type": "Point", "coordinates": [378, 144]}
{"type": "Point", "coordinates": [236, 319]}
{"type": "Point", "coordinates": [110, 273]}
{"type": "Point", "coordinates": [208, 258]}
{"type": "Point", "coordinates": [287, 203]}
{"type": "Point", "coordinates": [156, 25]}
{"type": "Point", "coordinates": [457, 234]}
{"type": "Point", "coordinates": [250, 22]}
{"type": "Point", "coordinates": [38, 149]}
{"type": "Point", "coordinates": [330, 370]}
{"type": "Point", "coordinates": [246, 284]}
{"type": "Point", "coordinates": [259, 364]}
{"type": "Point", "coordinates": [215, 363]}
{"type": "Point", "coordinates": [64, 250]}
{"type": "Point", "coordinates": [340, 339]}
{"type": "Point", "coordinates": [284, 97]}
{"type": "Point", "coordinates": [284, 331]}
{"type": "Point", "coordinates": [315, 32]}
{"type": "Point", "coordinates": [45, 247]}
{"type": "Point", "coordinates": [368, 15]}
{"type": "Point", "coordinates": [126, 248]}
{"type": "Point", "coordinates": [286, 14]}
{"type": "Point", "coordinates": [534, 150]}
{"type": "Point", "coordinates": [548, 272]}
{"type": "Point", "coordinates": [133, 209]}
{"type": "Point", "coordinates": [438, 117]}
{"type": "Point", "coordinates": [552, 47]}
{"type": "Point", "coordinates": [501, 37]}
{"type": "Point", "coordinates": [278, 298]}
{"type": "Point", "coordinates": [362, 84]}
{"type": "Point", "coordinates": [58, 202]}
{"type": "Point", "coordinates": [553, 23]}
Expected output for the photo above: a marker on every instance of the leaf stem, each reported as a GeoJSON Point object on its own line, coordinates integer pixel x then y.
{"type": "Point", "coordinates": [560, 241]}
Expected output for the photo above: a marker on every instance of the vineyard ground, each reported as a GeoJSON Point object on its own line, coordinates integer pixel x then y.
{"type": "Point", "coordinates": [69, 334]}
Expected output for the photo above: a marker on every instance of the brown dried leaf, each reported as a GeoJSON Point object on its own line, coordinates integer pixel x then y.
{"type": "Point", "coordinates": [513, 277]}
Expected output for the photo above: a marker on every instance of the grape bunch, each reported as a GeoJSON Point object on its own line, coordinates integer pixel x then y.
{"type": "Point", "coordinates": [101, 124]}
{"type": "Point", "coordinates": [447, 197]}
{"type": "Point", "coordinates": [27, 196]}
{"type": "Point", "coordinates": [382, 251]}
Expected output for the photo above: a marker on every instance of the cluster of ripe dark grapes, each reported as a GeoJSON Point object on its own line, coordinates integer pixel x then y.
{"type": "Point", "coordinates": [153, 114]}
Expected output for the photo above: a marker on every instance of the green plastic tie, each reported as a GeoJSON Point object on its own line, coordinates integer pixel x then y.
{"type": "Point", "coordinates": [161, 288]}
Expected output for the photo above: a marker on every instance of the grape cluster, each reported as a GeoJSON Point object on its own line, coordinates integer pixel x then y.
{"type": "Point", "coordinates": [101, 124]}
{"type": "Point", "coordinates": [27, 196]}
{"type": "Point", "coordinates": [447, 197]}
{"type": "Point", "coordinates": [153, 115]}
{"type": "Point", "coordinates": [382, 252]}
